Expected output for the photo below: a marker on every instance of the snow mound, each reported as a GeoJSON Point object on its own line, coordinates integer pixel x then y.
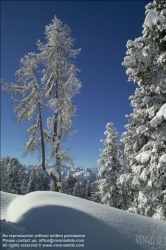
{"type": "Point", "coordinates": [6, 199]}
{"type": "Point", "coordinates": [50, 213]}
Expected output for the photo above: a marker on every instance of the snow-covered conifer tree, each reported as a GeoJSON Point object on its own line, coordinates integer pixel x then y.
{"type": "Point", "coordinates": [145, 139]}
{"type": "Point", "coordinates": [87, 190]}
{"type": "Point", "coordinates": [45, 182]}
{"type": "Point", "coordinates": [37, 180]}
{"type": "Point", "coordinates": [3, 175]}
{"type": "Point", "coordinates": [94, 191]}
{"type": "Point", "coordinates": [25, 181]}
{"type": "Point", "coordinates": [68, 185]}
{"type": "Point", "coordinates": [83, 189]}
{"type": "Point", "coordinates": [14, 175]}
{"type": "Point", "coordinates": [77, 189]}
{"type": "Point", "coordinates": [60, 86]}
{"type": "Point", "coordinates": [126, 192]}
{"type": "Point", "coordinates": [33, 184]}
{"type": "Point", "coordinates": [29, 105]}
{"type": "Point", "coordinates": [109, 191]}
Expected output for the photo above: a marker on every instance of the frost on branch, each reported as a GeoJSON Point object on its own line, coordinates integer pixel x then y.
{"type": "Point", "coordinates": [160, 115]}
{"type": "Point", "coordinates": [56, 88]}
{"type": "Point", "coordinates": [47, 135]}
{"type": "Point", "coordinates": [60, 85]}
{"type": "Point", "coordinates": [145, 139]}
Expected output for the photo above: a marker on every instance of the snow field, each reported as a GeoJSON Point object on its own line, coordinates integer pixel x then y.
{"type": "Point", "coordinates": [47, 212]}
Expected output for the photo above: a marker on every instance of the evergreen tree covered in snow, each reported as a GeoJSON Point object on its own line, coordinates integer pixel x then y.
{"type": "Point", "coordinates": [145, 139]}
{"type": "Point", "coordinates": [60, 86]}
{"type": "Point", "coordinates": [33, 184]}
{"type": "Point", "coordinates": [80, 189]}
{"type": "Point", "coordinates": [109, 191]}
{"type": "Point", "coordinates": [25, 182]}
{"type": "Point", "coordinates": [68, 185]}
{"type": "Point", "coordinates": [83, 189]}
{"type": "Point", "coordinates": [94, 191]}
{"type": "Point", "coordinates": [3, 175]}
{"type": "Point", "coordinates": [126, 191]}
{"type": "Point", "coordinates": [37, 180]}
{"type": "Point", "coordinates": [76, 191]}
{"type": "Point", "coordinates": [87, 190]}
{"type": "Point", "coordinates": [12, 175]}
{"type": "Point", "coordinates": [45, 182]}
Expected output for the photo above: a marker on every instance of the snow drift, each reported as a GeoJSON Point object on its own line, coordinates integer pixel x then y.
{"type": "Point", "coordinates": [50, 213]}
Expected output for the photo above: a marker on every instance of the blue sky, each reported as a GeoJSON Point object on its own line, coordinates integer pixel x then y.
{"type": "Point", "coordinates": [101, 29]}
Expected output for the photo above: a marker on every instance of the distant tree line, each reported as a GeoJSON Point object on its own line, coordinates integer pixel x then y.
{"type": "Point", "coordinates": [17, 179]}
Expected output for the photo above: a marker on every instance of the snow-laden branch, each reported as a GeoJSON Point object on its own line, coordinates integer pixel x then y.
{"type": "Point", "coordinates": [160, 115]}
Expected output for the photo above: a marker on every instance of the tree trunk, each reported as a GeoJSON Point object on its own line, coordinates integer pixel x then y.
{"type": "Point", "coordinates": [55, 187]}
{"type": "Point", "coordinates": [42, 139]}
{"type": "Point", "coordinates": [58, 161]}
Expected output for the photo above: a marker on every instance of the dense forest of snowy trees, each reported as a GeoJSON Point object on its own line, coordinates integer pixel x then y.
{"type": "Point", "coordinates": [133, 166]}
{"type": "Point", "coordinates": [19, 179]}
{"type": "Point", "coordinates": [143, 181]}
{"type": "Point", "coordinates": [15, 178]}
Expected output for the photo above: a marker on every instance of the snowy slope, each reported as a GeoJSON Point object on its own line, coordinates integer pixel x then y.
{"type": "Point", "coordinates": [6, 199]}
{"type": "Point", "coordinates": [105, 228]}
